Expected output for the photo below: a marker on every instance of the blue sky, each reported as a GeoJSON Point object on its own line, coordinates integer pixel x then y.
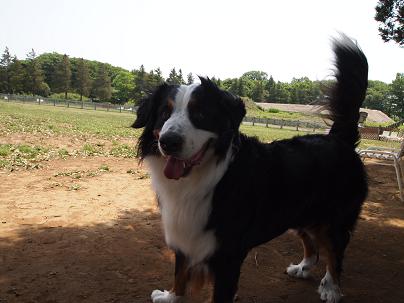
{"type": "Point", "coordinates": [207, 37]}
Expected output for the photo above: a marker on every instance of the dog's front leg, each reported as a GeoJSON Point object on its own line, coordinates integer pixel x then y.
{"type": "Point", "coordinates": [226, 271]}
{"type": "Point", "coordinates": [177, 293]}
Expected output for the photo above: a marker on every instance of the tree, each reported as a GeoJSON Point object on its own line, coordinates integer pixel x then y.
{"type": "Point", "coordinates": [390, 13]}
{"type": "Point", "coordinates": [34, 76]}
{"type": "Point", "coordinates": [180, 78]}
{"type": "Point", "coordinates": [123, 85]}
{"type": "Point", "coordinates": [377, 95]}
{"type": "Point", "coordinates": [17, 76]}
{"type": "Point", "coordinates": [396, 96]}
{"type": "Point", "coordinates": [140, 80]}
{"type": "Point", "coordinates": [102, 84]}
{"type": "Point", "coordinates": [5, 63]}
{"type": "Point", "coordinates": [190, 79]}
{"type": "Point", "coordinates": [63, 75]}
{"type": "Point", "coordinates": [83, 79]}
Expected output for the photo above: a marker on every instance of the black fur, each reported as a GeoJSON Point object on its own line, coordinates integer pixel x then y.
{"type": "Point", "coordinates": [306, 182]}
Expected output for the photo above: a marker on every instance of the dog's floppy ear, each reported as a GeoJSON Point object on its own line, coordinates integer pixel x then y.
{"type": "Point", "coordinates": [235, 107]}
{"type": "Point", "coordinates": [147, 106]}
{"type": "Point", "coordinates": [232, 105]}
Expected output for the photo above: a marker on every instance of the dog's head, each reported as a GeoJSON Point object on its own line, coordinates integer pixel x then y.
{"type": "Point", "coordinates": [182, 123]}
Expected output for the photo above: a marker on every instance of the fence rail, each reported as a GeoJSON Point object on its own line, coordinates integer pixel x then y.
{"type": "Point", "coordinates": [68, 103]}
{"type": "Point", "coordinates": [297, 124]}
{"type": "Point", "coordinates": [285, 123]}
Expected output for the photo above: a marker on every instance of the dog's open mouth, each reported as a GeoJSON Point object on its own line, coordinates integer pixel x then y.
{"type": "Point", "coordinates": [177, 168]}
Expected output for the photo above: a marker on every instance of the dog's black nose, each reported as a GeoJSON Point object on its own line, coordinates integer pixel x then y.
{"type": "Point", "coordinates": [171, 143]}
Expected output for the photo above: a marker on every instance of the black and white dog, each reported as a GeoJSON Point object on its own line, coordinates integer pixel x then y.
{"type": "Point", "coordinates": [222, 193]}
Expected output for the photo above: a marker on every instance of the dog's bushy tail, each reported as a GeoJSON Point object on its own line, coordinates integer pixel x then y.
{"type": "Point", "coordinates": [347, 94]}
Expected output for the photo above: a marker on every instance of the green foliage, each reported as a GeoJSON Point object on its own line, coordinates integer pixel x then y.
{"type": "Point", "coordinates": [34, 76]}
{"type": "Point", "coordinates": [175, 78]}
{"type": "Point", "coordinates": [70, 96]}
{"type": "Point", "coordinates": [396, 97]}
{"type": "Point", "coordinates": [390, 13]}
{"type": "Point", "coordinates": [102, 84]}
{"type": "Point", "coordinates": [83, 80]}
{"type": "Point", "coordinates": [63, 76]}
{"type": "Point", "coordinates": [123, 85]}
{"type": "Point", "coordinates": [190, 79]}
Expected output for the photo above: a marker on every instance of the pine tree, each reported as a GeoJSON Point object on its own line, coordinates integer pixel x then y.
{"type": "Point", "coordinates": [172, 77]}
{"type": "Point", "coordinates": [63, 75]}
{"type": "Point", "coordinates": [17, 75]}
{"type": "Point", "coordinates": [140, 80]}
{"type": "Point", "coordinates": [190, 79]}
{"type": "Point", "coordinates": [102, 84]}
{"type": "Point", "coordinates": [34, 77]}
{"type": "Point", "coordinates": [83, 79]}
{"type": "Point", "coordinates": [180, 78]}
{"type": "Point", "coordinates": [5, 63]}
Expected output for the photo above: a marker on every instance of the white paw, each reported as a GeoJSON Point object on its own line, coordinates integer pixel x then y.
{"type": "Point", "coordinates": [301, 270]}
{"type": "Point", "coordinates": [165, 296]}
{"type": "Point", "coordinates": [328, 290]}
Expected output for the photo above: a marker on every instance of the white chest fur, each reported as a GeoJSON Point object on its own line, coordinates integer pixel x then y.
{"type": "Point", "coordinates": [185, 205]}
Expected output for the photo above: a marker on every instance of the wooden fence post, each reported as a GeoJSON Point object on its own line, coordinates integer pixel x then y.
{"type": "Point", "coordinates": [95, 106]}
{"type": "Point", "coordinates": [297, 126]}
{"type": "Point", "coordinates": [281, 123]}
{"type": "Point", "coordinates": [266, 125]}
{"type": "Point", "coordinates": [82, 104]}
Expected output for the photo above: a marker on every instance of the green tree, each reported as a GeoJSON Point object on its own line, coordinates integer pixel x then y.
{"type": "Point", "coordinates": [190, 79]}
{"type": "Point", "coordinates": [140, 84]}
{"type": "Point", "coordinates": [34, 76]}
{"type": "Point", "coordinates": [63, 76]}
{"type": "Point", "coordinates": [83, 79]}
{"type": "Point", "coordinates": [180, 78]}
{"type": "Point", "coordinates": [396, 96]}
{"type": "Point", "coordinates": [390, 13]}
{"type": "Point", "coordinates": [17, 76]}
{"type": "Point", "coordinates": [5, 63]}
{"type": "Point", "coordinates": [123, 85]}
{"type": "Point", "coordinates": [102, 84]}
{"type": "Point", "coordinates": [377, 96]}
{"type": "Point", "coordinates": [175, 78]}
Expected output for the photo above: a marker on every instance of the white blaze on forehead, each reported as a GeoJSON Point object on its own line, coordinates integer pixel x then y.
{"type": "Point", "coordinates": [180, 123]}
{"type": "Point", "coordinates": [183, 96]}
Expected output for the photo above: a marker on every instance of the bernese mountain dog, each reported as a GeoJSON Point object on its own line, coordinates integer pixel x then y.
{"type": "Point", "coordinates": [222, 193]}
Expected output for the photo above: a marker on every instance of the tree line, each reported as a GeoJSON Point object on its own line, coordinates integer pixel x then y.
{"type": "Point", "coordinates": [57, 75]}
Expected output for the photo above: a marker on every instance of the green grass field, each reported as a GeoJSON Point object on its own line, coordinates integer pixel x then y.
{"type": "Point", "coordinates": [48, 121]}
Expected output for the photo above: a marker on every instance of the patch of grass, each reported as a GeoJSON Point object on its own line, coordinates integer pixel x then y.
{"type": "Point", "coordinates": [63, 153]}
{"type": "Point", "coordinates": [103, 168]}
{"type": "Point", "coordinates": [23, 155]}
{"type": "Point", "coordinates": [15, 117]}
{"type": "Point", "coordinates": [31, 151]}
{"type": "Point", "coordinates": [91, 150]}
{"type": "Point", "coordinates": [123, 150]}
{"type": "Point", "coordinates": [273, 110]}
{"type": "Point", "coordinates": [5, 150]}
{"type": "Point", "coordinates": [267, 134]}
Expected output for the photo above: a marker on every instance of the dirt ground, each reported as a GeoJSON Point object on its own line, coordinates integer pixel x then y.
{"type": "Point", "coordinates": [88, 230]}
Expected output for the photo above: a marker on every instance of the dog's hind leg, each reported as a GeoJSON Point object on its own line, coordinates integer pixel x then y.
{"type": "Point", "coordinates": [334, 241]}
{"type": "Point", "coordinates": [302, 270]}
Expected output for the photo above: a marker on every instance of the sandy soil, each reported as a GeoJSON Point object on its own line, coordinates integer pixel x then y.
{"type": "Point", "coordinates": [70, 232]}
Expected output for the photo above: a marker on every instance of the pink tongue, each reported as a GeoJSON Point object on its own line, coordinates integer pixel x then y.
{"type": "Point", "coordinates": [174, 168]}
